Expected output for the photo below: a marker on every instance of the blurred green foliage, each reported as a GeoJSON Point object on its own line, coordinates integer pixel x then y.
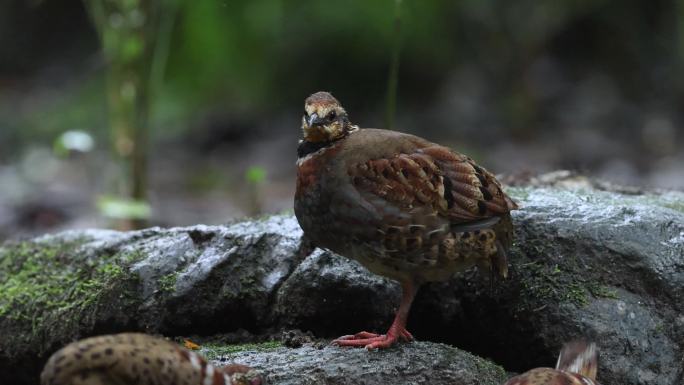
{"type": "Point", "coordinates": [114, 207]}
{"type": "Point", "coordinates": [134, 36]}
{"type": "Point", "coordinates": [255, 175]}
{"type": "Point", "coordinates": [257, 57]}
{"type": "Point", "coordinates": [393, 73]}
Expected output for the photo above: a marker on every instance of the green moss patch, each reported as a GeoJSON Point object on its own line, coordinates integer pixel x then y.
{"type": "Point", "coordinates": [216, 351]}
{"type": "Point", "coordinates": [675, 205]}
{"type": "Point", "coordinates": [167, 283]}
{"type": "Point", "coordinates": [543, 282]}
{"type": "Point", "coordinates": [494, 373]}
{"type": "Point", "coordinates": [549, 283]}
{"type": "Point", "coordinates": [41, 281]}
{"type": "Point", "coordinates": [600, 291]}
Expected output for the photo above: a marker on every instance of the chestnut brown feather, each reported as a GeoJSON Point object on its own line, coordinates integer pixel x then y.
{"type": "Point", "coordinates": [404, 207]}
{"type": "Point", "coordinates": [373, 185]}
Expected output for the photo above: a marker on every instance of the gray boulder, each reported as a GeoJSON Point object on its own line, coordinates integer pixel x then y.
{"type": "Point", "coordinates": [587, 262]}
{"type": "Point", "coordinates": [201, 279]}
{"type": "Point", "coordinates": [416, 363]}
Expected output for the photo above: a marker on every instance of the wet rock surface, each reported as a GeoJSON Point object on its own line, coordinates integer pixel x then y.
{"type": "Point", "coordinates": [331, 295]}
{"type": "Point", "coordinates": [587, 262]}
{"type": "Point", "coordinates": [415, 363]}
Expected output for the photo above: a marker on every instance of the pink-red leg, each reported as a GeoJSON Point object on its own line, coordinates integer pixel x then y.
{"type": "Point", "coordinates": [395, 333]}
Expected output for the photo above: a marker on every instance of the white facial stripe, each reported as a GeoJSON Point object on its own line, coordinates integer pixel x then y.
{"type": "Point", "coordinates": [322, 111]}
{"type": "Point", "coordinates": [195, 361]}
{"type": "Point", "coordinates": [309, 109]}
{"type": "Point", "coordinates": [209, 377]}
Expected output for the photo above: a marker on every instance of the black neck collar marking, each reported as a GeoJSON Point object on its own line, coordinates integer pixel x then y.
{"type": "Point", "coordinates": [305, 148]}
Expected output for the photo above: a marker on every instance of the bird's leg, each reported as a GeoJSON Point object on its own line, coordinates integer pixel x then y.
{"type": "Point", "coordinates": [397, 330]}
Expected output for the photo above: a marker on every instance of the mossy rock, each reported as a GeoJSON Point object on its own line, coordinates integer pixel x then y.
{"type": "Point", "coordinates": [198, 280]}
{"type": "Point", "coordinates": [410, 363]}
{"type": "Point", "coordinates": [51, 288]}
{"type": "Point", "coordinates": [588, 263]}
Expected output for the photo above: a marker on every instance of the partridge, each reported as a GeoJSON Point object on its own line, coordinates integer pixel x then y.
{"type": "Point", "coordinates": [137, 359]}
{"type": "Point", "coordinates": [576, 365]}
{"type": "Point", "coordinates": [405, 208]}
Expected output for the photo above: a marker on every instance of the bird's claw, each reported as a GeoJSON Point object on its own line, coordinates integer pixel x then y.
{"type": "Point", "coordinates": [372, 341]}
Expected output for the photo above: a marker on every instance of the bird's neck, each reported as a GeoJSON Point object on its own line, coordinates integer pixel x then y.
{"type": "Point", "coordinates": [306, 147]}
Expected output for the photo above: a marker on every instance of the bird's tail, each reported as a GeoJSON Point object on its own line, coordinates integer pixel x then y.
{"type": "Point", "coordinates": [131, 358]}
{"type": "Point", "coordinates": [579, 357]}
{"type": "Point", "coordinates": [499, 260]}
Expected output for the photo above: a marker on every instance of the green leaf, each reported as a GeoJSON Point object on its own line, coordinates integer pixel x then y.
{"type": "Point", "coordinates": [131, 49]}
{"type": "Point", "coordinates": [122, 208]}
{"type": "Point", "coordinates": [255, 174]}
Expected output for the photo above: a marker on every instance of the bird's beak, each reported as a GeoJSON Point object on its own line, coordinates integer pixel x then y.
{"type": "Point", "coordinates": [314, 120]}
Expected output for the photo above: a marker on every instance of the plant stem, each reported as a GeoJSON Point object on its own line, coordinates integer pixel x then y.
{"type": "Point", "coordinates": [393, 77]}
{"type": "Point", "coordinates": [129, 32]}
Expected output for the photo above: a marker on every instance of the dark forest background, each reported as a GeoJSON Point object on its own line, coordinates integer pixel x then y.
{"type": "Point", "coordinates": [126, 113]}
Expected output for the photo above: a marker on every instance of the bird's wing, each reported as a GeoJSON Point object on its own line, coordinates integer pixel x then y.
{"type": "Point", "coordinates": [579, 357]}
{"type": "Point", "coordinates": [433, 180]}
{"type": "Point", "coordinates": [548, 376]}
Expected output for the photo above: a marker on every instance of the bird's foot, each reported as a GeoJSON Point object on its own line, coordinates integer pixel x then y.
{"type": "Point", "coordinates": [374, 341]}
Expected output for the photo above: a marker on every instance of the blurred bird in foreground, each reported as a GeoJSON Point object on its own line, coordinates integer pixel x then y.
{"type": "Point", "coordinates": [577, 364]}
{"type": "Point", "coordinates": [405, 208]}
{"type": "Point", "coordinates": [137, 359]}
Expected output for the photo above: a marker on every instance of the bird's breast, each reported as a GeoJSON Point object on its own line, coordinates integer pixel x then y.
{"type": "Point", "coordinates": [313, 194]}
{"type": "Point", "coordinates": [313, 168]}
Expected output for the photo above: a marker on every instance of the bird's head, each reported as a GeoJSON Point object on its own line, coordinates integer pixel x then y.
{"type": "Point", "coordinates": [324, 119]}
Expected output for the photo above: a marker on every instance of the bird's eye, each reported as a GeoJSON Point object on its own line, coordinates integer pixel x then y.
{"type": "Point", "coordinates": [332, 115]}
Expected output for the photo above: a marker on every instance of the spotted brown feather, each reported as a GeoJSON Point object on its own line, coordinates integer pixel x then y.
{"type": "Point", "coordinates": [137, 359]}
{"type": "Point", "coordinates": [451, 184]}
{"type": "Point", "coordinates": [438, 210]}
